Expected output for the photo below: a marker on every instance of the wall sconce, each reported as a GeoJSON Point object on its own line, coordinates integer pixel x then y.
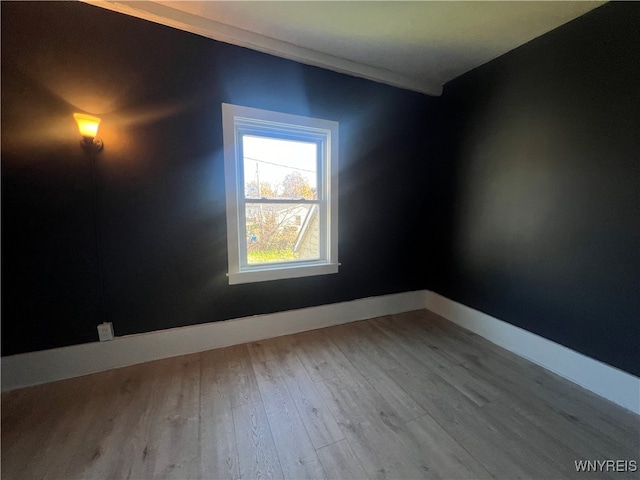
{"type": "Point", "coordinates": [88, 127]}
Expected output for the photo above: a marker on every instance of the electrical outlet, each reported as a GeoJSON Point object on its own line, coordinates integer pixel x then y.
{"type": "Point", "coordinates": [105, 331]}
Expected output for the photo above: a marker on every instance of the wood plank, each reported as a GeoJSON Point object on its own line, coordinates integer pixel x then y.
{"type": "Point", "coordinates": [314, 353]}
{"type": "Point", "coordinates": [401, 396]}
{"type": "Point", "coordinates": [318, 421]}
{"type": "Point", "coordinates": [339, 461]}
{"type": "Point", "coordinates": [371, 361]}
{"type": "Point", "coordinates": [446, 457]}
{"type": "Point", "coordinates": [528, 388]}
{"type": "Point", "coordinates": [27, 427]}
{"type": "Point", "coordinates": [175, 429]}
{"type": "Point", "coordinates": [328, 362]}
{"type": "Point", "coordinates": [374, 440]}
{"type": "Point", "coordinates": [457, 414]}
{"type": "Point", "coordinates": [77, 402]}
{"type": "Point", "coordinates": [114, 441]}
{"type": "Point", "coordinates": [256, 451]}
{"type": "Point", "coordinates": [362, 338]}
{"type": "Point", "coordinates": [423, 350]}
{"type": "Point", "coordinates": [296, 453]}
{"type": "Point", "coordinates": [548, 450]}
{"type": "Point", "coordinates": [602, 414]}
{"type": "Point", "coordinates": [218, 450]}
{"type": "Point", "coordinates": [265, 350]}
{"type": "Point", "coordinates": [242, 386]}
{"type": "Point", "coordinates": [569, 429]}
{"type": "Point", "coordinates": [515, 396]}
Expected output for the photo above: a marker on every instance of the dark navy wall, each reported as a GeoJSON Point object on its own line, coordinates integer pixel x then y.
{"type": "Point", "coordinates": [541, 169]}
{"type": "Point", "coordinates": [145, 246]}
{"type": "Point", "coordinates": [515, 193]}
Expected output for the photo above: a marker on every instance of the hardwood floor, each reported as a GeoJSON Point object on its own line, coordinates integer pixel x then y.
{"type": "Point", "coordinates": [403, 396]}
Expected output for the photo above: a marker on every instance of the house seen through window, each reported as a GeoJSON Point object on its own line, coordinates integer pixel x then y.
{"type": "Point", "coordinates": [281, 181]}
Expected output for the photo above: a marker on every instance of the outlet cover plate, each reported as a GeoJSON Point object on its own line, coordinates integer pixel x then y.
{"type": "Point", "coordinates": [105, 331]}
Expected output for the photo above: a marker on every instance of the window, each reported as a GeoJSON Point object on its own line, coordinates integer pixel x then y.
{"type": "Point", "coordinates": [281, 174]}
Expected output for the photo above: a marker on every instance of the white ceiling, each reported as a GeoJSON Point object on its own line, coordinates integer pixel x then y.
{"type": "Point", "coordinates": [418, 45]}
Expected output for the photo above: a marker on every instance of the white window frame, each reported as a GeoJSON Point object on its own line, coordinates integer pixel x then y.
{"type": "Point", "coordinates": [239, 120]}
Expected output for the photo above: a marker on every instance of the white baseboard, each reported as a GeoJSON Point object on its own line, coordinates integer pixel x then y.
{"type": "Point", "coordinates": [34, 368]}
{"type": "Point", "coordinates": [609, 382]}
{"type": "Point", "coordinates": [44, 366]}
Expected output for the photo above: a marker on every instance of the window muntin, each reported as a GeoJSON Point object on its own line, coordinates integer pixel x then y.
{"type": "Point", "coordinates": [281, 182]}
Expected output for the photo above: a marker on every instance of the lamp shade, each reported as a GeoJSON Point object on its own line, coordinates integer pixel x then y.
{"type": "Point", "coordinates": [87, 124]}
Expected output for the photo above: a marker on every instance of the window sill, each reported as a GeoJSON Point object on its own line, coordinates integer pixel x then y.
{"type": "Point", "coordinates": [279, 273]}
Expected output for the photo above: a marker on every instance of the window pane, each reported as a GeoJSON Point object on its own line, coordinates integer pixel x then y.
{"type": "Point", "coordinates": [279, 168]}
{"type": "Point", "coordinates": [282, 233]}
